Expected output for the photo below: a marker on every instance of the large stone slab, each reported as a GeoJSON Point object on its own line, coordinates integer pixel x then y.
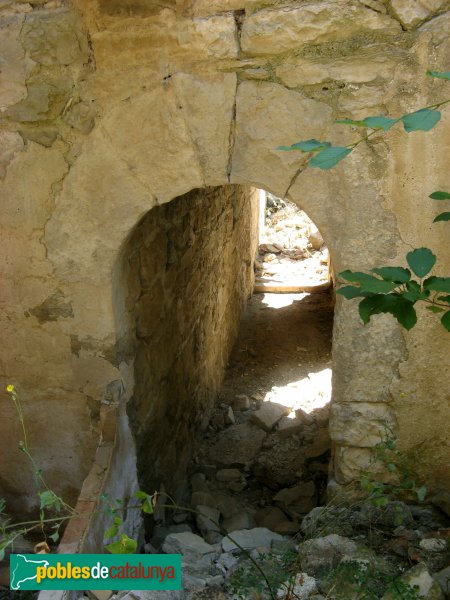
{"type": "Point", "coordinates": [237, 445]}
{"type": "Point", "coordinates": [14, 67]}
{"type": "Point", "coordinates": [268, 415]}
{"type": "Point", "coordinates": [268, 116]}
{"type": "Point", "coordinates": [362, 424]}
{"type": "Point", "coordinates": [259, 537]}
{"type": "Point", "coordinates": [188, 544]}
{"type": "Point", "coordinates": [276, 30]}
{"type": "Point", "coordinates": [151, 136]}
{"type": "Point", "coordinates": [300, 498]}
{"type": "Point", "coordinates": [363, 68]}
{"type": "Point", "coordinates": [208, 104]}
{"type": "Point", "coordinates": [413, 13]}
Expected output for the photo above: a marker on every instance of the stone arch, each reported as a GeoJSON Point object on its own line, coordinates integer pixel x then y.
{"type": "Point", "coordinates": [155, 147]}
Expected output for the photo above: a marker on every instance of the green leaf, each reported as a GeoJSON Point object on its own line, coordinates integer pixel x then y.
{"type": "Point", "coordinates": [444, 299]}
{"type": "Point", "coordinates": [421, 120]}
{"type": "Point", "coordinates": [414, 292]}
{"type": "Point", "coordinates": [380, 502]}
{"type": "Point", "coordinates": [2, 555]}
{"type": "Point", "coordinates": [306, 146]}
{"type": "Point", "coordinates": [124, 546]}
{"type": "Point", "coordinates": [350, 122]}
{"type": "Point", "coordinates": [445, 216]}
{"type": "Point", "coordinates": [391, 467]}
{"type": "Point", "coordinates": [444, 75]}
{"type": "Point", "coordinates": [328, 158]}
{"type": "Point", "coordinates": [421, 261]}
{"type": "Point", "coordinates": [445, 320]}
{"type": "Point", "coordinates": [379, 303]}
{"type": "Point", "coordinates": [49, 499]}
{"type": "Point", "coordinates": [384, 123]}
{"type": "Point", "coordinates": [147, 506]}
{"type": "Point", "coordinates": [368, 282]}
{"type": "Point", "coordinates": [421, 493]}
{"type": "Point", "coordinates": [435, 309]}
{"type": "Point", "coordinates": [398, 519]}
{"type": "Point", "coordinates": [118, 521]}
{"type": "Point", "coordinates": [349, 291]}
{"type": "Point", "coordinates": [54, 537]}
{"type": "Point", "coordinates": [403, 310]}
{"type": "Point", "coordinates": [111, 532]}
{"type": "Point", "coordinates": [366, 483]}
{"type": "Point", "coordinates": [140, 495]}
{"type": "Point", "coordinates": [397, 274]}
{"type": "Point", "coordinates": [440, 196]}
{"type": "Point", "coordinates": [437, 284]}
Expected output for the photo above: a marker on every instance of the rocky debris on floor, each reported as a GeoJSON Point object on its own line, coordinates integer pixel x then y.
{"type": "Point", "coordinates": [268, 415]}
{"type": "Point", "coordinates": [237, 445]}
{"type": "Point", "coordinates": [291, 248]}
{"type": "Point", "coordinates": [319, 562]}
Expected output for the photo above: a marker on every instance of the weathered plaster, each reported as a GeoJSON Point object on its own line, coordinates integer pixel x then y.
{"type": "Point", "coordinates": [110, 109]}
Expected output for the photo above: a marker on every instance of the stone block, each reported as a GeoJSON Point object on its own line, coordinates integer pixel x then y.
{"type": "Point", "coordinates": [240, 521]}
{"type": "Point", "coordinates": [237, 445]}
{"type": "Point", "coordinates": [322, 554]}
{"type": "Point", "coordinates": [321, 443]}
{"type": "Point", "coordinates": [207, 518]}
{"type": "Point", "coordinates": [288, 426]}
{"type": "Point", "coordinates": [55, 38]}
{"type": "Point", "coordinates": [268, 415]}
{"type": "Point", "coordinates": [264, 115]}
{"type": "Point", "coordinates": [419, 578]}
{"type": "Point", "coordinates": [241, 402]}
{"type": "Point", "coordinates": [188, 544]}
{"type": "Point", "coordinates": [208, 104]}
{"type": "Point", "coordinates": [228, 475]}
{"type": "Point", "coordinates": [259, 537]}
{"type": "Point", "coordinates": [277, 30]}
{"type": "Point", "coordinates": [300, 498]}
{"type": "Point", "coordinates": [366, 67]}
{"type": "Point", "coordinates": [270, 517]}
{"type": "Point", "coordinates": [412, 14]}
{"type": "Point", "coordinates": [362, 424]}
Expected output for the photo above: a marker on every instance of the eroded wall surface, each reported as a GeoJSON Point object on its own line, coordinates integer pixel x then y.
{"type": "Point", "coordinates": [187, 270]}
{"type": "Point", "coordinates": [113, 107]}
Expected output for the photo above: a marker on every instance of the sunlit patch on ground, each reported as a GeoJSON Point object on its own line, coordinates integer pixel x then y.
{"type": "Point", "coordinates": [281, 300]}
{"type": "Point", "coordinates": [308, 394]}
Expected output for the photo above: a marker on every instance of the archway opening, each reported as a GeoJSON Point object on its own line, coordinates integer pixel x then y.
{"type": "Point", "coordinates": [188, 270]}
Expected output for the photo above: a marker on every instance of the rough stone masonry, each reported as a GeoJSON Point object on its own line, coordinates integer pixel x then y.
{"type": "Point", "coordinates": [113, 107]}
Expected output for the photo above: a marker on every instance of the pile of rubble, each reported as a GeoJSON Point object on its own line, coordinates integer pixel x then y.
{"type": "Point", "coordinates": [340, 553]}
{"type": "Point", "coordinates": [291, 248]}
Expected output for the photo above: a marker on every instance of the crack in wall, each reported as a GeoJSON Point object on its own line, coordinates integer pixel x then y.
{"type": "Point", "coordinates": [232, 134]}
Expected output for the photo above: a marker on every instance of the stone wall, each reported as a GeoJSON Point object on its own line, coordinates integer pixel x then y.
{"type": "Point", "coordinates": [187, 270]}
{"type": "Point", "coordinates": [112, 108]}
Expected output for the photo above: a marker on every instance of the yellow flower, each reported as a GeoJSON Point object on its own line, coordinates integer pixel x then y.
{"type": "Point", "coordinates": [10, 388]}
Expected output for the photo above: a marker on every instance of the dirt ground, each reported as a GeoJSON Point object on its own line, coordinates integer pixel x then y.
{"type": "Point", "coordinates": [283, 339]}
{"type": "Point", "coordinates": [280, 364]}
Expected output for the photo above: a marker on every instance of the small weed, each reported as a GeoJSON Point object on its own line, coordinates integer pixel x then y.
{"type": "Point", "coordinates": [246, 582]}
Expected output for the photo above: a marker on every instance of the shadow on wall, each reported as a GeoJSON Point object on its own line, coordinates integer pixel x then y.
{"type": "Point", "coordinates": [186, 272]}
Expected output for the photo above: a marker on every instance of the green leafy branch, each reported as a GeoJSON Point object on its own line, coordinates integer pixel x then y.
{"type": "Point", "coordinates": [393, 290]}
{"type": "Point", "coordinates": [398, 464]}
{"type": "Point", "coordinates": [50, 504]}
{"type": "Point", "coordinates": [325, 155]}
{"type": "Point", "coordinates": [126, 545]}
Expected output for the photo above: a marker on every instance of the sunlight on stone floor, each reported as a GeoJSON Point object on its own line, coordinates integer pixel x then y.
{"type": "Point", "coordinates": [309, 393]}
